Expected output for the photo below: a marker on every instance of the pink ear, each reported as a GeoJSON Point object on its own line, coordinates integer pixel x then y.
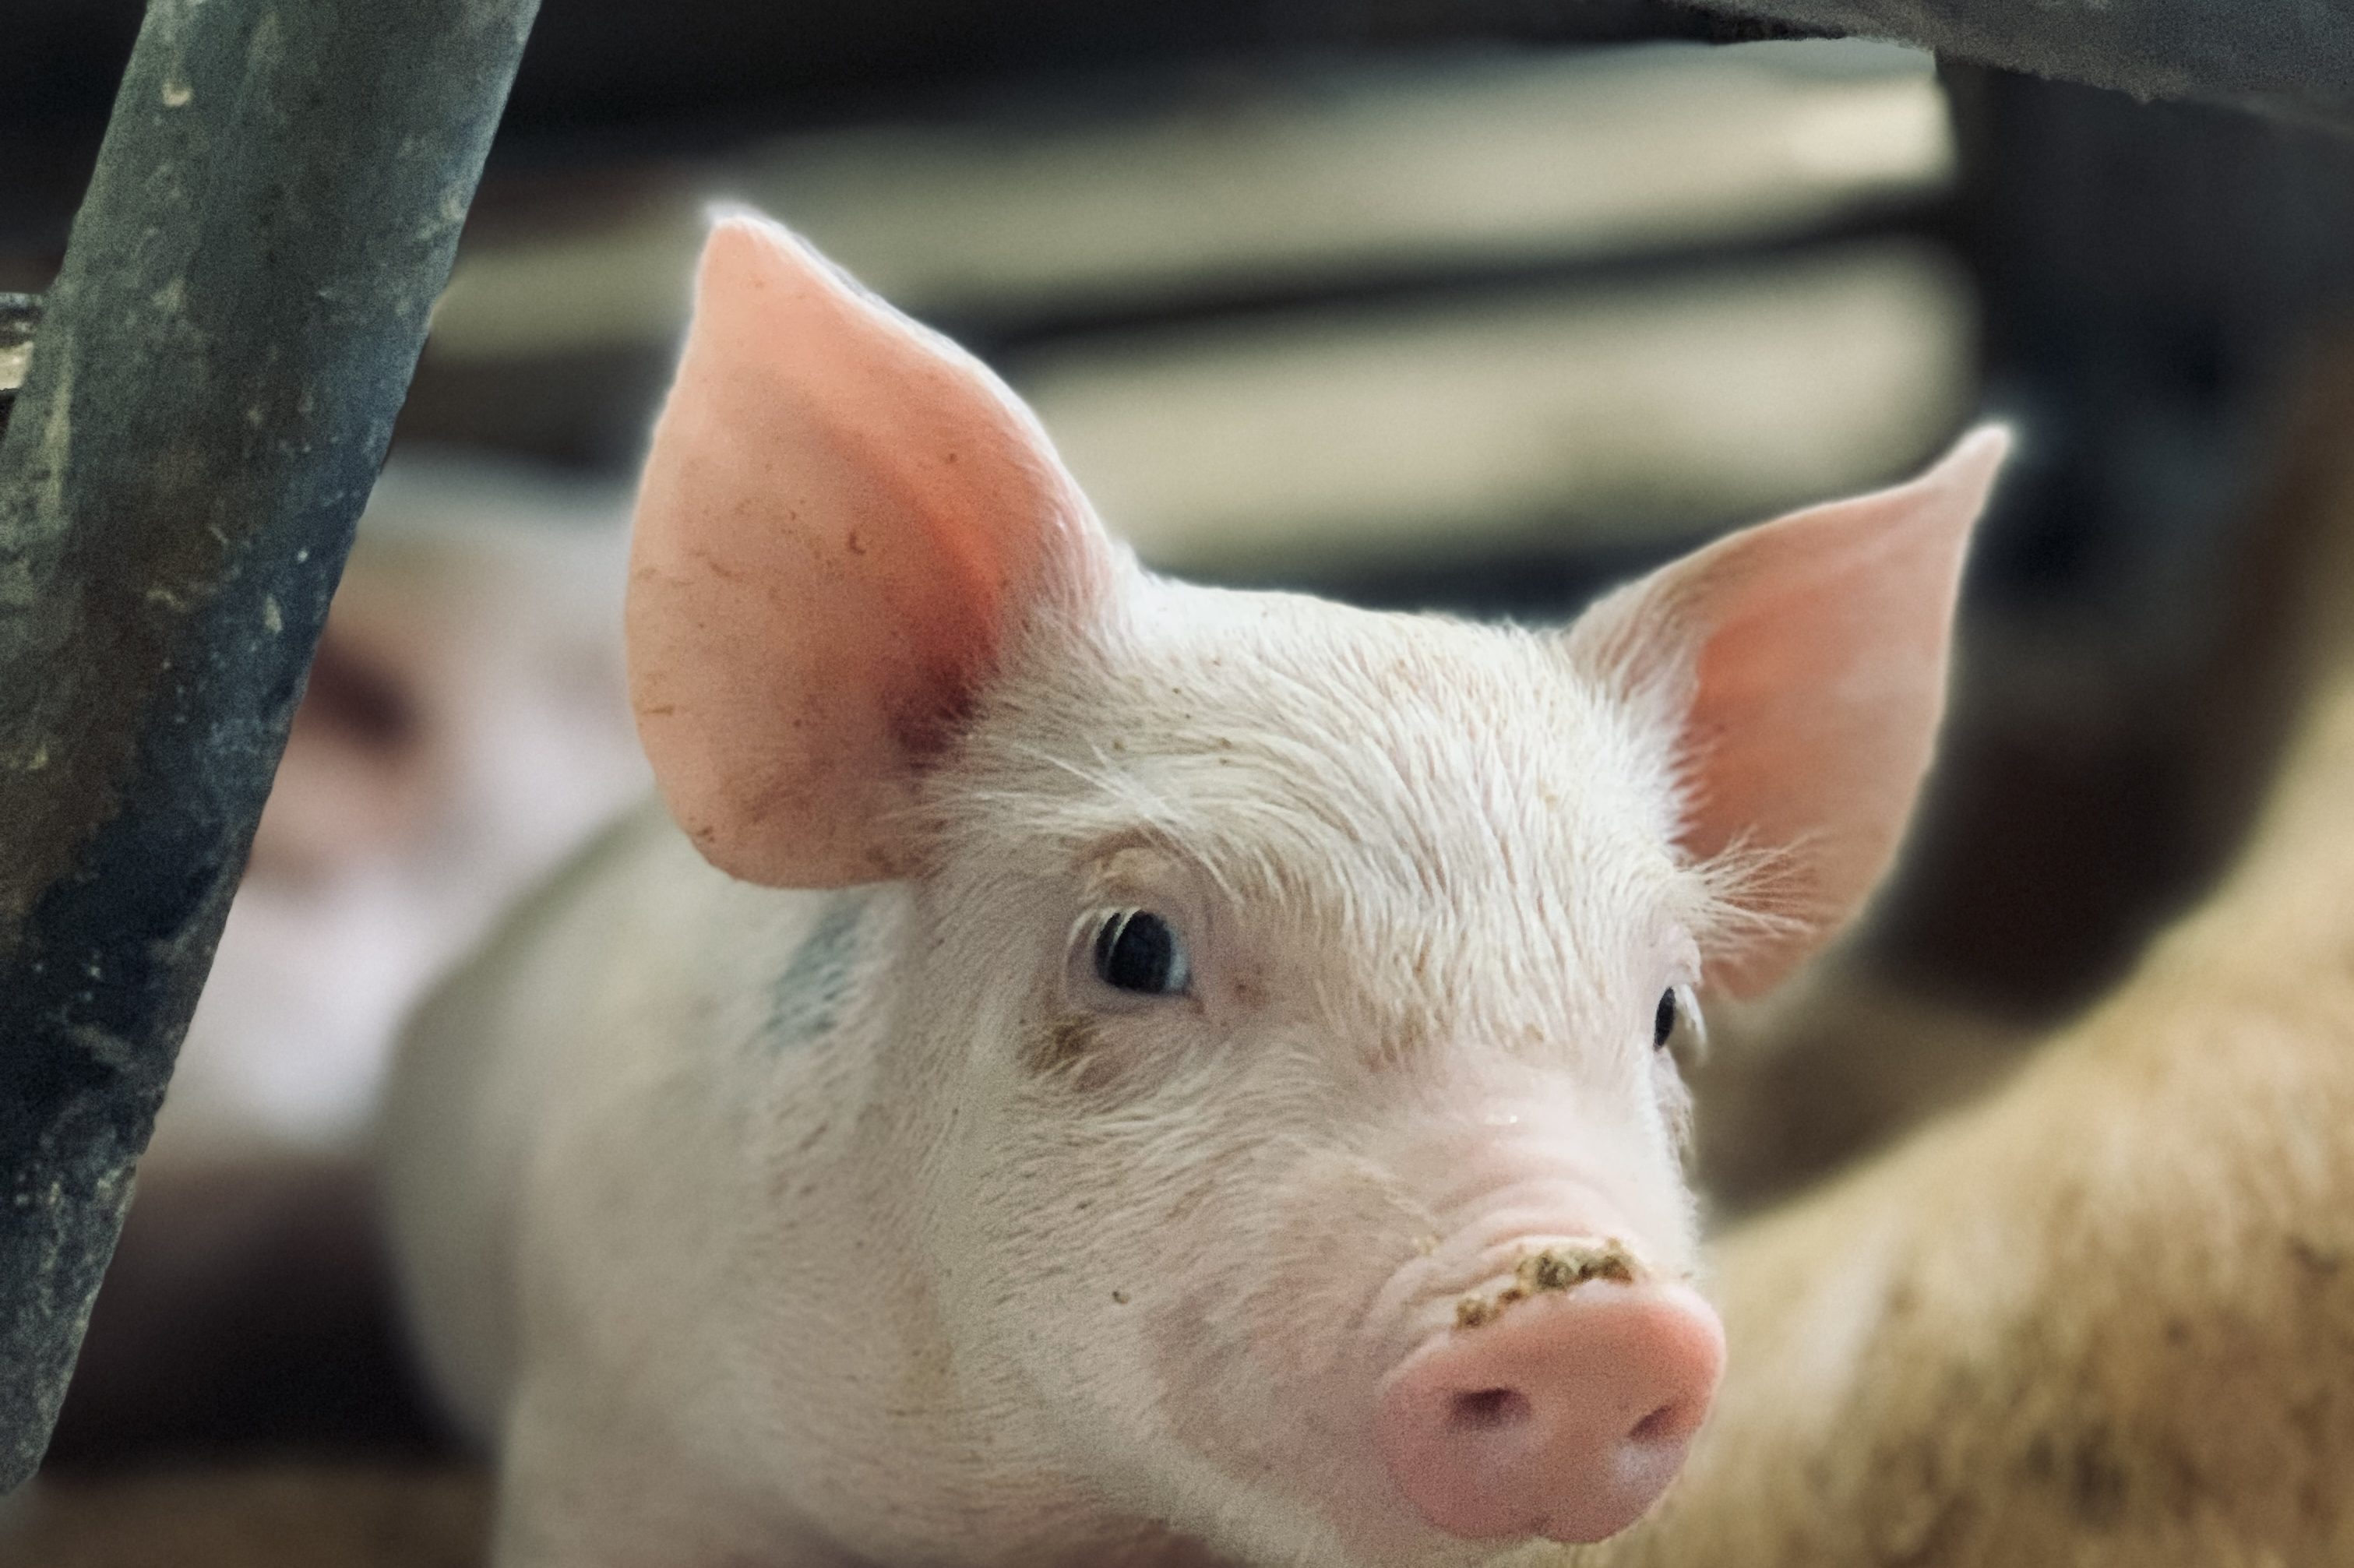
{"type": "Point", "coordinates": [1804, 663]}
{"type": "Point", "coordinates": [843, 520]}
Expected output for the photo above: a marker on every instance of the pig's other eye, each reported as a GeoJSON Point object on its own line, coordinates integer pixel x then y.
{"type": "Point", "coordinates": [1677, 1020]}
{"type": "Point", "coordinates": [1136, 952]}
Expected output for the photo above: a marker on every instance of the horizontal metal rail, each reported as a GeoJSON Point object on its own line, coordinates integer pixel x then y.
{"type": "Point", "coordinates": [2291, 61]}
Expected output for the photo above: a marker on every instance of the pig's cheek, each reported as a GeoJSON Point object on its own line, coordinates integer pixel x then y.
{"type": "Point", "coordinates": [1270, 1359]}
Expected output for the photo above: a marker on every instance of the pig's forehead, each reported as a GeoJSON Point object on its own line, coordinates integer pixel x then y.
{"type": "Point", "coordinates": [1190, 660]}
{"type": "Point", "coordinates": [1291, 737]}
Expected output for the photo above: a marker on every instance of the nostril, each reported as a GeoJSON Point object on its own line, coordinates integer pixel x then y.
{"type": "Point", "coordinates": [1487, 1409]}
{"type": "Point", "coordinates": [1664, 1422]}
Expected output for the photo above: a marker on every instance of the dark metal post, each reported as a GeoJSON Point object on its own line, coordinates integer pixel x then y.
{"type": "Point", "coordinates": [211, 391]}
{"type": "Point", "coordinates": [19, 314]}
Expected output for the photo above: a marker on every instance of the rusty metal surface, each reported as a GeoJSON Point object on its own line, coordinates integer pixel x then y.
{"type": "Point", "coordinates": [212, 389]}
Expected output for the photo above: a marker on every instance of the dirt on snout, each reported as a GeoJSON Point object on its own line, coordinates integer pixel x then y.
{"type": "Point", "coordinates": [1562, 1266]}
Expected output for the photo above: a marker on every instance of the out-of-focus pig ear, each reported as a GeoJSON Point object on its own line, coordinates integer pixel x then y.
{"type": "Point", "coordinates": [845, 519]}
{"type": "Point", "coordinates": [1802, 665]}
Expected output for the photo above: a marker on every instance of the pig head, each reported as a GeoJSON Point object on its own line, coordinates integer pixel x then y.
{"type": "Point", "coordinates": [1266, 1125]}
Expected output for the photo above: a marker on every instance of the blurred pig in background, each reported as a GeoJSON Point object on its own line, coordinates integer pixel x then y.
{"type": "Point", "coordinates": [464, 726]}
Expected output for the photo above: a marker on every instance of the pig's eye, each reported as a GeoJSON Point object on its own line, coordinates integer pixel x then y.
{"type": "Point", "coordinates": [1136, 952]}
{"type": "Point", "coordinates": [1677, 1020]}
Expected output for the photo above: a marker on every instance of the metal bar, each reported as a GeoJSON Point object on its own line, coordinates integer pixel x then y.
{"type": "Point", "coordinates": [19, 315]}
{"type": "Point", "coordinates": [2294, 61]}
{"type": "Point", "coordinates": [217, 367]}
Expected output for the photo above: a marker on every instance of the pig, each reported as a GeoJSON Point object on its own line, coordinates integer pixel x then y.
{"type": "Point", "coordinates": [1084, 1067]}
{"type": "Point", "coordinates": [2104, 1315]}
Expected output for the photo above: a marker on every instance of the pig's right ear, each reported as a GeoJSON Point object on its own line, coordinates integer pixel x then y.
{"type": "Point", "coordinates": [1799, 667]}
{"type": "Point", "coordinates": [845, 520]}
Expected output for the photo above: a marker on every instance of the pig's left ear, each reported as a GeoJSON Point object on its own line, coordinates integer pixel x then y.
{"type": "Point", "coordinates": [846, 522]}
{"type": "Point", "coordinates": [1801, 664]}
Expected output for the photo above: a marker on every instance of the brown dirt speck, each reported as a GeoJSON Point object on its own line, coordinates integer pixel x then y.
{"type": "Point", "coordinates": [1064, 1044]}
{"type": "Point", "coordinates": [1559, 1269]}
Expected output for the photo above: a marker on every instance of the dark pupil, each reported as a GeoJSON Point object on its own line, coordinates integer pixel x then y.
{"type": "Point", "coordinates": [1136, 952]}
{"type": "Point", "coordinates": [1663, 1022]}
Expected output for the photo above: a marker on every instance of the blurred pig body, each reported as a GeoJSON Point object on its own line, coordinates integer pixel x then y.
{"type": "Point", "coordinates": [2105, 1317]}
{"type": "Point", "coordinates": [1106, 1068]}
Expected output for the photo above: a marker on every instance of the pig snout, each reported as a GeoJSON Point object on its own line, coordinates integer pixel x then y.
{"type": "Point", "coordinates": [1548, 1411]}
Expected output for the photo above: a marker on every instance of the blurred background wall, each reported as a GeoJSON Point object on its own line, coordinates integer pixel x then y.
{"type": "Point", "coordinates": [1483, 306]}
